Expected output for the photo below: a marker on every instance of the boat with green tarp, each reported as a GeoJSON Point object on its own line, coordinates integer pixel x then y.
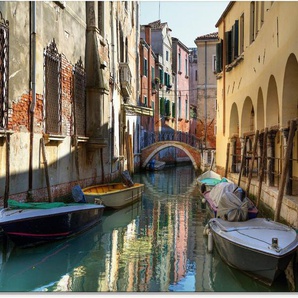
{"type": "Point", "coordinates": [33, 223]}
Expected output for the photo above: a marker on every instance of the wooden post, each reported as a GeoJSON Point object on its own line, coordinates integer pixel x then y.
{"type": "Point", "coordinates": [43, 150]}
{"type": "Point", "coordinates": [285, 169]}
{"type": "Point", "coordinates": [242, 160]}
{"type": "Point", "coordinates": [227, 159]}
{"type": "Point", "coordinates": [263, 165]}
{"type": "Point", "coordinates": [7, 172]}
{"type": "Point", "coordinates": [252, 161]}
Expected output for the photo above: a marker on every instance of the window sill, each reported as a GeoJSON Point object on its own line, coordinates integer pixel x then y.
{"type": "Point", "coordinates": [53, 138]}
{"type": "Point", "coordinates": [79, 139]}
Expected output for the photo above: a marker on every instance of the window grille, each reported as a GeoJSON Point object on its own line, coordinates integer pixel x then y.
{"type": "Point", "coordinates": [79, 99]}
{"type": "Point", "coordinates": [4, 50]}
{"type": "Point", "coordinates": [52, 69]}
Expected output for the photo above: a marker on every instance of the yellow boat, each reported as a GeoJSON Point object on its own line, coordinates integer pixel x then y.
{"type": "Point", "coordinates": [113, 195]}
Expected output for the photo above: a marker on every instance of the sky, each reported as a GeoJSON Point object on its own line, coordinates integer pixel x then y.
{"type": "Point", "coordinates": [187, 19]}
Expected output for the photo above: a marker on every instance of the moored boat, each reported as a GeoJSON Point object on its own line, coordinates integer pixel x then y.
{"type": "Point", "coordinates": [29, 224]}
{"type": "Point", "coordinates": [114, 195]}
{"type": "Point", "coordinates": [207, 180]}
{"type": "Point", "coordinates": [259, 247]}
{"type": "Point", "coordinates": [228, 201]}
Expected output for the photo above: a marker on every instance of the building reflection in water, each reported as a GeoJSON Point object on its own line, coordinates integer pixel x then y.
{"type": "Point", "coordinates": [155, 245]}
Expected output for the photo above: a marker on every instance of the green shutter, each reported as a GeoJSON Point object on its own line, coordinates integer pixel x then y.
{"type": "Point", "coordinates": [219, 56]}
{"type": "Point", "coordinates": [173, 110]}
{"type": "Point", "coordinates": [167, 108]}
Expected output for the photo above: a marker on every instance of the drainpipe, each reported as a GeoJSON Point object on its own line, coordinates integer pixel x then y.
{"type": "Point", "coordinates": [33, 91]}
{"type": "Point", "coordinates": [224, 77]}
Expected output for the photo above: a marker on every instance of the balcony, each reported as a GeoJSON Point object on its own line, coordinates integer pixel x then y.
{"type": "Point", "coordinates": [125, 79]}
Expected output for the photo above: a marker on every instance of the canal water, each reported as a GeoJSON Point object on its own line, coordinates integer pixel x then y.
{"type": "Point", "coordinates": [155, 245]}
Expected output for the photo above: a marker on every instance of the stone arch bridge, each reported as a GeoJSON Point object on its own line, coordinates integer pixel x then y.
{"type": "Point", "coordinates": [148, 152]}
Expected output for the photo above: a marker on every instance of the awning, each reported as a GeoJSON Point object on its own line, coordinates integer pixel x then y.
{"type": "Point", "coordinates": [133, 110]}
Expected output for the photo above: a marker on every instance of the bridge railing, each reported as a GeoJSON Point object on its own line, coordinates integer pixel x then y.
{"type": "Point", "coordinates": [150, 138]}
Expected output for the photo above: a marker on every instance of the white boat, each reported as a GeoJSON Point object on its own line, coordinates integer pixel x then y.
{"type": "Point", "coordinates": [259, 247]}
{"type": "Point", "coordinates": [208, 180]}
{"type": "Point", "coordinates": [113, 195]}
{"type": "Point", "coordinates": [29, 224]}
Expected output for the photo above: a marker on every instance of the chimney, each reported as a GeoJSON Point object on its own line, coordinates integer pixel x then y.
{"type": "Point", "coordinates": [148, 34]}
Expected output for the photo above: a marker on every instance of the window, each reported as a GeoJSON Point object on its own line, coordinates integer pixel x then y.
{"type": "Point", "coordinates": [145, 101]}
{"type": "Point", "coordinates": [162, 105]}
{"type": "Point", "coordinates": [161, 76]}
{"type": "Point", "coordinates": [173, 110]}
{"type": "Point", "coordinates": [186, 109]}
{"type": "Point", "coordinates": [179, 63]}
{"type": "Point", "coordinates": [179, 107]}
{"type": "Point", "coordinates": [219, 56]}
{"type": "Point", "coordinates": [79, 99]}
{"type": "Point", "coordinates": [262, 14]}
{"type": "Point", "coordinates": [152, 73]}
{"type": "Point", "coordinates": [241, 36]}
{"type": "Point", "coordinates": [228, 38]}
{"type": "Point", "coordinates": [167, 108]}
{"type": "Point", "coordinates": [167, 80]}
{"type": "Point", "coordinates": [145, 69]}
{"type": "Point", "coordinates": [52, 94]}
{"type": "Point", "coordinates": [186, 66]}
{"type": "Point", "coordinates": [4, 74]}
{"type": "Point", "coordinates": [167, 55]}
{"type": "Point", "coordinates": [252, 22]}
{"type": "Point", "coordinates": [213, 63]}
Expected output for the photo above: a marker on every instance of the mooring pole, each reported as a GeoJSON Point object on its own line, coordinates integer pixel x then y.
{"type": "Point", "coordinates": [242, 160]}
{"type": "Point", "coordinates": [252, 161]}
{"type": "Point", "coordinates": [285, 169]}
{"type": "Point", "coordinates": [263, 165]}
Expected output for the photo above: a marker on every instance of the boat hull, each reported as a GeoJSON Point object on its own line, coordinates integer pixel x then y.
{"type": "Point", "coordinates": [248, 246]}
{"type": "Point", "coordinates": [114, 195]}
{"type": "Point", "coordinates": [30, 227]}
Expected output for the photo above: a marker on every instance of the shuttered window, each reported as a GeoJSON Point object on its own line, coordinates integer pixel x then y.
{"type": "Point", "coordinates": [235, 40]}
{"type": "Point", "coordinates": [219, 62]}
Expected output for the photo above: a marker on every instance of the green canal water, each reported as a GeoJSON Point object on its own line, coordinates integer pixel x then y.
{"type": "Point", "coordinates": [155, 245]}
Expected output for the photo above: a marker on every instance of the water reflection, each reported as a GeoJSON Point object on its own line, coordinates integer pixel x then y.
{"type": "Point", "coordinates": [155, 245]}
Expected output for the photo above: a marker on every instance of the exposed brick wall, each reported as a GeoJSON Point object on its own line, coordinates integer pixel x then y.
{"type": "Point", "coordinates": [211, 138]}
{"type": "Point", "coordinates": [20, 114]}
{"type": "Point", "coordinates": [66, 95]}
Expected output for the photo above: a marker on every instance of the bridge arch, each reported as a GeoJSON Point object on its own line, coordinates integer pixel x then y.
{"type": "Point", "coordinates": [149, 151]}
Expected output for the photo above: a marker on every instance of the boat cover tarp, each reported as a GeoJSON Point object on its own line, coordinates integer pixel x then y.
{"type": "Point", "coordinates": [77, 194]}
{"type": "Point", "coordinates": [231, 208]}
{"type": "Point", "coordinates": [217, 192]}
{"type": "Point", "coordinates": [22, 205]}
